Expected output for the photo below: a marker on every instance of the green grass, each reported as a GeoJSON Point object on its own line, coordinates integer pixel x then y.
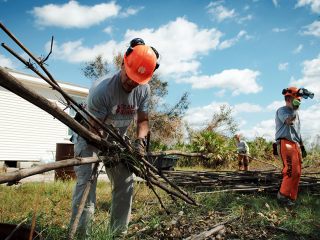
{"type": "Point", "coordinates": [255, 211]}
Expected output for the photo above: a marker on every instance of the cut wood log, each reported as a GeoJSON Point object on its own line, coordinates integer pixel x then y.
{"type": "Point", "coordinates": [206, 234]}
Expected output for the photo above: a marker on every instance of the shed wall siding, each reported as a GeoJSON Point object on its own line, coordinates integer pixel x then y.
{"type": "Point", "coordinates": [26, 131]}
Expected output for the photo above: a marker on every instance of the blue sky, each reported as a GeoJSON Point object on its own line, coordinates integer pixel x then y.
{"type": "Point", "coordinates": [240, 53]}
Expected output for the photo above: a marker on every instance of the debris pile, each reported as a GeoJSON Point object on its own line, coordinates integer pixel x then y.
{"type": "Point", "coordinates": [239, 181]}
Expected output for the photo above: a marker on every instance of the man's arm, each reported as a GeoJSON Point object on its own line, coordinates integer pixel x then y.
{"type": "Point", "coordinates": [96, 125]}
{"type": "Point", "coordinates": [142, 125]}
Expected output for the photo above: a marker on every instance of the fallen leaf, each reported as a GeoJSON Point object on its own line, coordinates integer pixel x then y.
{"type": "Point", "coordinates": [267, 205]}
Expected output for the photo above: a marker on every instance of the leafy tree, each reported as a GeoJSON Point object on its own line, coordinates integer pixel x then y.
{"type": "Point", "coordinates": [222, 122]}
{"type": "Point", "coordinates": [213, 140]}
{"type": "Point", "coordinates": [96, 68]}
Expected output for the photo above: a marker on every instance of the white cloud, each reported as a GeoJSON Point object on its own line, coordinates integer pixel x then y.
{"type": "Point", "coordinates": [247, 107]}
{"type": "Point", "coordinates": [313, 29]}
{"type": "Point", "coordinates": [279, 29]}
{"type": "Point", "coordinates": [220, 93]}
{"type": "Point", "coordinates": [108, 30]}
{"type": "Point", "coordinates": [246, 8]}
{"type": "Point", "coordinates": [197, 116]}
{"type": "Point", "coordinates": [130, 11]}
{"type": "Point", "coordinates": [265, 129]}
{"type": "Point", "coordinates": [241, 20]}
{"type": "Point", "coordinates": [310, 120]}
{"type": "Point", "coordinates": [74, 52]}
{"type": "Point", "coordinates": [219, 12]}
{"type": "Point", "coordinates": [239, 81]}
{"type": "Point", "coordinates": [275, 105]}
{"type": "Point", "coordinates": [6, 62]}
{"type": "Point", "coordinates": [228, 43]}
{"type": "Point", "coordinates": [275, 2]}
{"type": "Point", "coordinates": [315, 5]}
{"type": "Point", "coordinates": [177, 57]}
{"type": "Point", "coordinates": [310, 80]}
{"type": "Point", "coordinates": [298, 49]}
{"type": "Point", "coordinates": [72, 14]}
{"type": "Point", "coordinates": [283, 66]}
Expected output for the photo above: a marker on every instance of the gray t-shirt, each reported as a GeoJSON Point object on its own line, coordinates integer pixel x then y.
{"type": "Point", "coordinates": [289, 132]}
{"type": "Point", "coordinates": [107, 98]}
{"type": "Point", "coordinates": [242, 147]}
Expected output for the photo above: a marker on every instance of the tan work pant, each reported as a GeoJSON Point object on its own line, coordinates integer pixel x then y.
{"type": "Point", "coordinates": [122, 191]}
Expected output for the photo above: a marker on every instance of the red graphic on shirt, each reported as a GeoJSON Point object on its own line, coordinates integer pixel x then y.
{"type": "Point", "coordinates": [118, 109]}
{"type": "Point", "coordinates": [126, 109]}
{"type": "Point", "coordinates": [93, 109]}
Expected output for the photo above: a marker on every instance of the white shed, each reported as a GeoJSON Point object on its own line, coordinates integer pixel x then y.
{"type": "Point", "coordinates": [27, 133]}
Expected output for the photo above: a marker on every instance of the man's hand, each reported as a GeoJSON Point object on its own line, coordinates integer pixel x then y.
{"type": "Point", "coordinates": [303, 151]}
{"type": "Point", "coordinates": [290, 120]}
{"type": "Point", "coordinates": [139, 146]}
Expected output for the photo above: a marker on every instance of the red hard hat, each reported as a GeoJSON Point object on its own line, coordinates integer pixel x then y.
{"type": "Point", "coordinates": [291, 91]}
{"type": "Point", "coordinates": [140, 64]}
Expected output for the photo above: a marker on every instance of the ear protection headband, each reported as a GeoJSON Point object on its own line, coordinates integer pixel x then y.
{"type": "Point", "coordinates": [138, 41]}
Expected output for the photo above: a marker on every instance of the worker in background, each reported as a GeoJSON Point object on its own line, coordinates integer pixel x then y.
{"type": "Point", "coordinates": [116, 98]}
{"type": "Point", "coordinates": [288, 135]}
{"type": "Point", "coordinates": [243, 152]}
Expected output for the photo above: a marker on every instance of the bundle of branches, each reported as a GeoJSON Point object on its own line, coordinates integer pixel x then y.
{"type": "Point", "coordinates": [239, 181]}
{"type": "Point", "coordinates": [136, 162]}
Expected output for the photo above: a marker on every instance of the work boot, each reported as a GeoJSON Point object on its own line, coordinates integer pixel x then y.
{"type": "Point", "coordinates": [284, 200]}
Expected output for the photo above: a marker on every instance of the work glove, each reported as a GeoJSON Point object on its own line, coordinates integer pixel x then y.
{"type": "Point", "coordinates": [296, 103]}
{"type": "Point", "coordinates": [304, 152]}
{"type": "Point", "coordinates": [139, 145]}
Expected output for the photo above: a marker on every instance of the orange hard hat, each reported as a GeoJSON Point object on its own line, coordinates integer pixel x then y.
{"type": "Point", "coordinates": [291, 91]}
{"type": "Point", "coordinates": [140, 63]}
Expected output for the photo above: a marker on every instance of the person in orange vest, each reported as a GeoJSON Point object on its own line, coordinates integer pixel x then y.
{"type": "Point", "coordinates": [243, 152]}
{"type": "Point", "coordinates": [288, 135]}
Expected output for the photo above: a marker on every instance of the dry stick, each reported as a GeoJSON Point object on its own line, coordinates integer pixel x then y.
{"type": "Point", "coordinates": [20, 174]}
{"type": "Point", "coordinates": [260, 160]}
{"type": "Point", "coordinates": [27, 51]}
{"type": "Point", "coordinates": [176, 152]}
{"type": "Point", "coordinates": [253, 189]}
{"type": "Point", "coordinates": [238, 190]}
{"type": "Point", "coordinates": [142, 230]}
{"type": "Point", "coordinates": [206, 233]}
{"type": "Point", "coordinates": [161, 185]}
{"type": "Point", "coordinates": [221, 233]}
{"type": "Point", "coordinates": [175, 220]}
{"type": "Point", "coordinates": [16, 229]}
{"type": "Point", "coordinates": [166, 179]}
{"type": "Point", "coordinates": [155, 193]}
{"type": "Point", "coordinates": [281, 229]}
{"type": "Point", "coordinates": [219, 224]}
{"type": "Point", "coordinates": [35, 211]}
{"type": "Point", "coordinates": [92, 179]}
